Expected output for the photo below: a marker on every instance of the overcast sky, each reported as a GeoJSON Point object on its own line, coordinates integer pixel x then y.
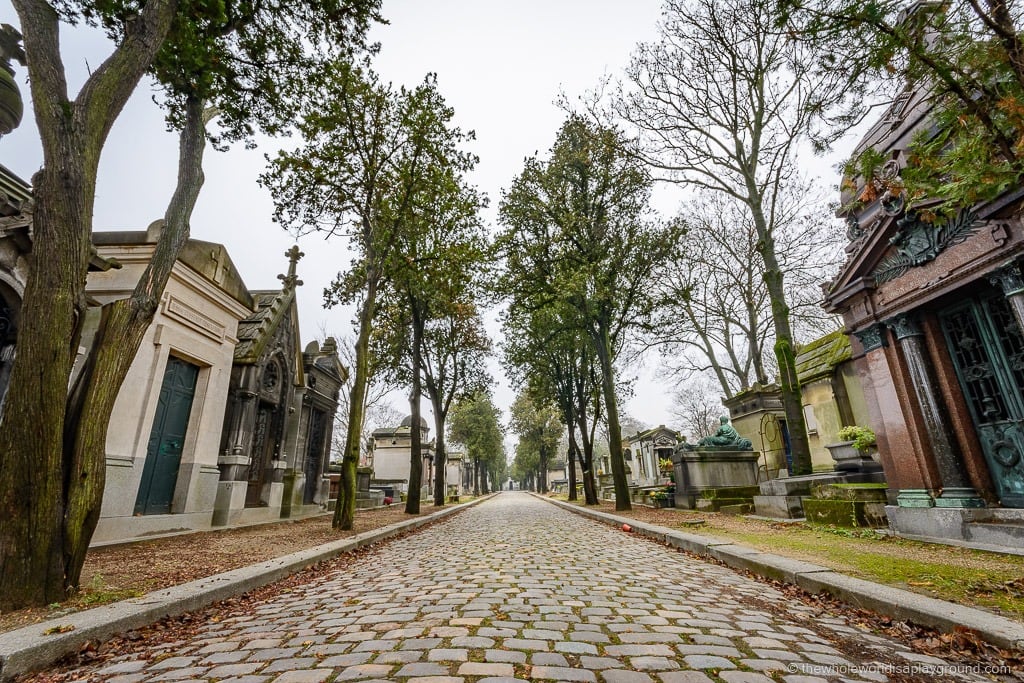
{"type": "Point", "coordinates": [500, 65]}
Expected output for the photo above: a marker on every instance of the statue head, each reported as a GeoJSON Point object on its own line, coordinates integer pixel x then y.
{"type": "Point", "coordinates": [724, 419]}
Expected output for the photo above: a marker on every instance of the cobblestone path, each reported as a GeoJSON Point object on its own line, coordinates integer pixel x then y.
{"type": "Point", "coordinates": [516, 588]}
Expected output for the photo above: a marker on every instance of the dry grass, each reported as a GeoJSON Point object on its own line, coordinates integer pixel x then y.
{"type": "Point", "coordinates": [129, 570]}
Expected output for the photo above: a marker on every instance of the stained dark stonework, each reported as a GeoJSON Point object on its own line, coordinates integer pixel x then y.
{"type": "Point", "coordinates": [956, 490]}
{"type": "Point", "coordinates": [904, 326]}
{"type": "Point", "coordinates": [946, 289]}
{"type": "Point", "coordinates": [872, 338]}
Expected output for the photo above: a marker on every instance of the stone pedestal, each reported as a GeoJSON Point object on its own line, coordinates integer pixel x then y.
{"type": "Point", "coordinates": [782, 498]}
{"type": "Point", "coordinates": [702, 472]}
{"type": "Point", "coordinates": [230, 502]}
{"type": "Point", "coordinates": [847, 505]}
{"type": "Point", "coordinates": [363, 475]}
{"type": "Point", "coordinates": [849, 459]}
{"type": "Point", "coordinates": [294, 488]}
{"type": "Point", "coordinates": [369, 499]}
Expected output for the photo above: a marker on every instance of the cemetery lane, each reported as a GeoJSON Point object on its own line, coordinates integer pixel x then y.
{"type": "Point", "coordinates": [516, 588]}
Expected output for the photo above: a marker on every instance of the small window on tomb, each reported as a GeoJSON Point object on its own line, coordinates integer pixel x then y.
{"type": "Point", "coordinates": [810, 420]}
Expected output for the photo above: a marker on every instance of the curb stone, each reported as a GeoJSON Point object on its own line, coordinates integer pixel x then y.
{"type": "Point", "coordinates": [892, 602]}
{"type": "Point", "coordinates": [29, 649]}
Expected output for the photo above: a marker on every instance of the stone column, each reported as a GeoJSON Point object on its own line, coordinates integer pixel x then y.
{"type": "Point", "coordinates": [1010, 278]}
{"type": "Point", "coordinates": [956, 489]}
{"type": "Point", "coordinates": [883, 405]}
{"type": "Point", "coordinates": [234, 461]}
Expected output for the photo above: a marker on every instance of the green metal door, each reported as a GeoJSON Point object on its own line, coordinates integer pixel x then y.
{"type": "Point", "coordinates": [167, 438]}
{"type": "Point", "coordinates": [987, 347]}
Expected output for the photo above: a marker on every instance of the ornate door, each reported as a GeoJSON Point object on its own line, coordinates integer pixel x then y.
{"type": "Point", "coordinates": [987, 347]}
{"type": "Point", "coordinates": [259, 459]}
{"type": "Point", "coordinates": [167, 438]}
{"type": "Point", "coordinates": [314, 465]}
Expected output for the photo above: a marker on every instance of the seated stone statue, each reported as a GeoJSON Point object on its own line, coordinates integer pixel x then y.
{"type": "Point", "coordinates": [726, 438]}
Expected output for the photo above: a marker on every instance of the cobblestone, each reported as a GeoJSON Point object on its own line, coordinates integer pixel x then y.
{"type": "Point", "coordinates": [516, 587]}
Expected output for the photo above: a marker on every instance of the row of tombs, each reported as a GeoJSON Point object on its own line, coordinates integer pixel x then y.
{"type": "Point", "coordinates": [224, 418]}
{"type": "Point", "coordinates": [931, 359]}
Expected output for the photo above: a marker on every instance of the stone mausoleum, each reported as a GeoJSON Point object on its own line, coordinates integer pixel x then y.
{"type": "Point", "coordinates": [223, 418]}
{"type": "Point", "coordinates": [935, 310]}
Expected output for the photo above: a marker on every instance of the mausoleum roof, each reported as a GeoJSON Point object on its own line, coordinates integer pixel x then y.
{"type": "Point", "coordinates": [407, 422]}
{"type": "Point", "coordinates": [820, 357]}
{"type": "Point", "coordinates": [271, 309]}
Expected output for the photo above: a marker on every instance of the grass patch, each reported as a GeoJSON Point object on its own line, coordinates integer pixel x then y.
{"type": "Point", "coordinates": [98, 592]}
{"type": "Point", "coordinates": [958, 575]}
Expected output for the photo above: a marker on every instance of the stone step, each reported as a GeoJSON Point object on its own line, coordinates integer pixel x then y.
{"type": "Point", "coordinates": [995, 533]}
{"type": "Point", "coordinates": [716, 504]}
{"type": "Point", "coordinates": [845, 513]}
{"type": "Point", "coordinates": [874, 493]}
{"type": "Point", "coordinates": [738, 509]}
{"type": "Point", "coordinates": [779, 507]}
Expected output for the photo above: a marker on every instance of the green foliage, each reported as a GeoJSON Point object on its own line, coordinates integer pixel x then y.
{"type": "Point", "coordinates": [475, 423]}
{"type": "Point", "coordinates": [862, 437]}
{"type": "Point", "coordinates": [580, 247]}
{"type": "Point", "coordinates": [250, 60]}
{"type": "Point", "coordinates": [369, 169]}
{"type": "Point", "coordinates": [538, 425]}
{"type": "Point", "coordinates": [966, 58]}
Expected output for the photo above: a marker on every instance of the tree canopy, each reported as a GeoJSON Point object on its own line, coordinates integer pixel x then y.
{"type": "Point", "coordinates": [966, 57]}
{"type": "Point", "coordinates": [370, 154]}
{"type": "Point", "coordinates": [54, 443]}
{"type": "Point", "coordinates": [579, 236]}
{"type": "Point", "coordinates": [475, 423]}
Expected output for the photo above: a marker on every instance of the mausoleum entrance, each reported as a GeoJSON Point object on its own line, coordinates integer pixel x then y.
{"type": "Point", "coordinates": [264, 443]}
{"type": "Point", "coordinates": [987, 347]}
{"type": "Point", "coordinates": [167, 438]}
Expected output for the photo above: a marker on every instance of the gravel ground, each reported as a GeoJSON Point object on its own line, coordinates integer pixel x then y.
{"type": "Point", "coordinates": [128, 570]}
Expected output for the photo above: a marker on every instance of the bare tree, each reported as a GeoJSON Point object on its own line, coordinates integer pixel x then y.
{"type": "Point", "coordinates": [378, 411]}
{"type": "Point", "coordinates": [723, 101]}
{"type": "Point", "coordinates": [715, 317]}
{"type": "Point", "coordinates": [697, 405]}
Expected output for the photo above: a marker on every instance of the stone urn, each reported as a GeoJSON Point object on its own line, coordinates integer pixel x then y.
{"type": "Point", "coordinates": [849, 459]}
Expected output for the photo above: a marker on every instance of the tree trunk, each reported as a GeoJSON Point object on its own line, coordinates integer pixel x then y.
{"type": "Point", "coordinates": [40, 473]}
{"type": "Point", "coordinates": [476, 476]}
{"type": "Point", "coordinates": [345, 507]}
{"type": "Point", "coordinates": [33, 457]}
{"type": "Point", "coordinates": [611, 406]}
{"type": "Point", "coordinates": [440, 449]}
{"type": "Point", "coordinates": [587, 458]}
{"type": "Point", "coordinates": [122, 327]}
{"type": "Point", "coordinates": [412, 500]}
{"type": "Point", "coordinates": [571, 458]}
{"type": "Point", "coordinates": [785, 349]}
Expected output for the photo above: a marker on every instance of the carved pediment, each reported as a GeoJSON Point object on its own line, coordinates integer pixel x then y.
{"type": "Point", "coordinates": [916, 242]}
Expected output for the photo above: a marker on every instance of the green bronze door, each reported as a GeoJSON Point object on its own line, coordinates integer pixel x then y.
{"type": "Point", "coordinates": [167, 438]}
{"type": "Point", "coordinates": [987, 347]}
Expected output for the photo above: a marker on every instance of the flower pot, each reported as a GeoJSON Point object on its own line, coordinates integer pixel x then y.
{"type": "Point", "coordinates": [849, 459]}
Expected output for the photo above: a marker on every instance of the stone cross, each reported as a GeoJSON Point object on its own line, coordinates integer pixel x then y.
{"type": "Point", "coordinates": [291, 280]}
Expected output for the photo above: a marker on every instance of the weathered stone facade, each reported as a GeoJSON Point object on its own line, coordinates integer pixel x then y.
{"type": "Point", "coordinates": [162, 443]}
{"type": "Point", "coordinates": [392, 450]}
{"type": "Point", "coordinates": [935, 310]}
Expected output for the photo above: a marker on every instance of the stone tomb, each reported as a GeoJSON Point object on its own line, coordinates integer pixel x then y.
{"type": "Point", "coordinates": [162, 468]}
{"type": "Point", "coordinates": [708, 478]}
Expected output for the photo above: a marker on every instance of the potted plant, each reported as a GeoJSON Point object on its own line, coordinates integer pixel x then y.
{"type": "Point", "coordinates": [660, 498]}
{"type": "Point", "coordinates": [861, 438]}
{"type": "Point", "coordinates": [857, 449]}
